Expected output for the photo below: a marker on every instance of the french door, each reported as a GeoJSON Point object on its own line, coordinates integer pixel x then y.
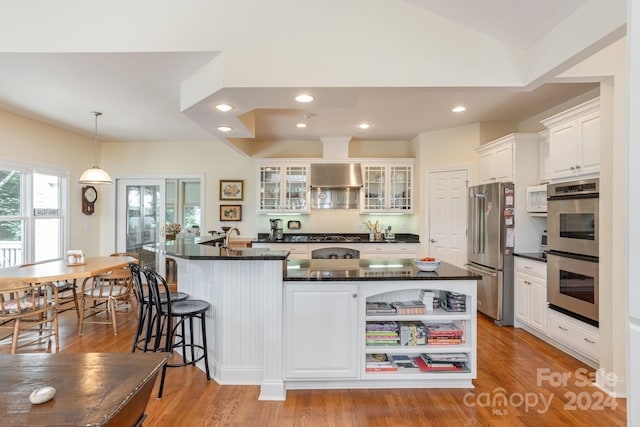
{"type": "Point", "coordinates": [140, 218]}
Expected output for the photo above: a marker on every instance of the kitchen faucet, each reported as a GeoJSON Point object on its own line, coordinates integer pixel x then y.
{"type": "Point", "coordinates": [226, 239]}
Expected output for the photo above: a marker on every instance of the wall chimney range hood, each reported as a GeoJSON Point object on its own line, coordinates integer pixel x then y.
{"type": "Point", "coordinates": [335, 175]}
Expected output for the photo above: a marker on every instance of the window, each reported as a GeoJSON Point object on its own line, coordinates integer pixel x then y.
{"type": "Point", "coordinates": [183, 202]}
{"type": "Point", "coordinates": [32, 222]}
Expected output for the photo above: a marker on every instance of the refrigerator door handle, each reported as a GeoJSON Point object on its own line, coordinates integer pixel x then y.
{"type": "Point", "coordinates": [481, 270]}
{"type": "Point", "coordinates": [478, 224]}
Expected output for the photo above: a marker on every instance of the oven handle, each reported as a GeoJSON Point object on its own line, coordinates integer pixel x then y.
{"type": "Point", "coordinates": [574, 196]}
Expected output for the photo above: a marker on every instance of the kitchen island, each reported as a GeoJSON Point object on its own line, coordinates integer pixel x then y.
{"type": "Point", "coordinates": [301, 323]}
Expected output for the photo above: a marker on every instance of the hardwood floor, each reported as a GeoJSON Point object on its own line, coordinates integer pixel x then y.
{"type": "Point", "coordinates": [509, 391]}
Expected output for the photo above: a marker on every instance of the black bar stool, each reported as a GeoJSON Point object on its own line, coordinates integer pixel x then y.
{"type": "Point", "coordinates": [166, 311]}
{"type": "Point", "coordinates": [146, 315]}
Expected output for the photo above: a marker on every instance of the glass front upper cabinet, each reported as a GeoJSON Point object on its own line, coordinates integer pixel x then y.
{"type": "Point", "coordinates": [388, 188]}
{"type": "Point", "coordinates": [283, 188]}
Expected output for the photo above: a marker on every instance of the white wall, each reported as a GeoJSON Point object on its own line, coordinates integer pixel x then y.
{"type": "Point", "coordinates": [214, 160]}
{"type": "Point", "coordinates": [34, 143]}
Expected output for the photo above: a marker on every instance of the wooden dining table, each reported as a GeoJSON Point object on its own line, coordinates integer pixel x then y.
{"type": "Point", "coordinates": [92, 389]}
{"type": "Point", "coordinates": [59, 270]}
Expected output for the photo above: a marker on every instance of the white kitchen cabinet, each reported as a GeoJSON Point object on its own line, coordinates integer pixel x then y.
{"type": "Point", "coordinates": [574, 141]}
{"type": "Point", "coordinates": [512, 158]}
{"type": "Point", "coordinates": [321, 333]}
{"type": "Point", "coordinates": [543, 156]}
{"type": "Point", "coordinates": [283, 187]}
{"type": "Point", "coordinates": [367, 250]}
{"type": "Point", "coordinates": [496, 161]}
{"type": "Point", "coordinates": [389, 250]}
{"type": "Point", "coordinates": [576, 335]}
{"type": "Point", "coordinates": [388, 187]}
{"type": "Point", "coordinates": [296, 250]}
{"type": "Point", "coordinates": [531, 293]}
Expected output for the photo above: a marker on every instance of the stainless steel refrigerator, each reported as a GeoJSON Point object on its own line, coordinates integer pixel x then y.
{"type": "Point", "coordinates": [491, 238]}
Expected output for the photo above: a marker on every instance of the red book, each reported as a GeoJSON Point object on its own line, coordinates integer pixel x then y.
{"type": "Point", "coordinates": [424, 366]}
{"type": "Point", "coordinates": [382, 369]}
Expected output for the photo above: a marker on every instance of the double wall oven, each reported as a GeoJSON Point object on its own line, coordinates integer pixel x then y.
{"type": "Point", "coordinates": [572, 260]}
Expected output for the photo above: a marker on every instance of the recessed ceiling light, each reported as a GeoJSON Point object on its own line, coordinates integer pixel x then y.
{"type": "Point", "coordinates": [304, 98]}
{"type": "Point", "coordinates": [225, 128]}
{"type": "Point", "coordinates": [364, 125]}
{"type": "Point", "coordinates": [301, 125]}
{"type": "Point", "coordinates": [224, 107]}
{"type": "Point", "coordinates": [458, 109]}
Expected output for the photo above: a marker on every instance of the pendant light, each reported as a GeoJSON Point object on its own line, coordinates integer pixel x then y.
{"type": "Point", "coordinates": [95, 175]}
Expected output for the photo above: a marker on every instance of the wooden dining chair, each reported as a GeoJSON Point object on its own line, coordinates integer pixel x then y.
{"type": "Point", "coordinates": [104, 293]}
{"type": "Point", "coordinates": [67, 293]}
{"type": "Point", "coordinates": [29, 311]}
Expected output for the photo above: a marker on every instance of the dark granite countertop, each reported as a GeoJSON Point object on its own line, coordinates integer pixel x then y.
{"type": "Point", "coordinates": [309, 238]}
{"type": "Point", "coordinates": [536, 256]}
{"type": "Point", "coordinates": [369, 270]}
{"type": "Point", "coordinates": [197, 248]}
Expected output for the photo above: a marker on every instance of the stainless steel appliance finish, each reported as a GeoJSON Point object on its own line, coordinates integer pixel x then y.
{"type": "Point", "coordinates": [544, 246]}
{"type": "Point", "coordinates": [276, 232]}
{"type": "Point", "coordinates": [573, 286]}
{"type": "Point", "coordinates": [572, 219]}
{"type": "Point", "coordinates": [335, 175]}
{"type": "Point", "coordinates": [335, 253]}
{"type": "Point", "coordinates": [572, 260]}
{"type": "Point", "coordinates": [491, 238]}
{"type": "Point", "coordinates": [343, 198]}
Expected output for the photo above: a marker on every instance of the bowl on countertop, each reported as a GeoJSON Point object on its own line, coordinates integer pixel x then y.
{"type": "Point", "coordinates": [427, 265]}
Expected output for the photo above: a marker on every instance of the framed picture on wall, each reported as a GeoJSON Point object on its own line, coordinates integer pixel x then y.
{"type": "Point", "coordinates": [231, 189]}
{"type": "Point", "coordinates": [230, 212]}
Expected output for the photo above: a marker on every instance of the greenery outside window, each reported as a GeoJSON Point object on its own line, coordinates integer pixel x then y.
{"type": "Point", "coordinates": [32, 222]}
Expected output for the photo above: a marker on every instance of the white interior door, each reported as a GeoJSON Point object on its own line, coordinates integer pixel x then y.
{"type": "Point", "coordinates": [447, 228]}
{"type": "Point", "coordinates": [140, 206]}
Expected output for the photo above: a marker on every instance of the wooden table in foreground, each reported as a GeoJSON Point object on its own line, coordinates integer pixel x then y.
{"type": "Point", "coordinates": [58, 270]}
{"type": "Point", "coordinates": [92, 389]}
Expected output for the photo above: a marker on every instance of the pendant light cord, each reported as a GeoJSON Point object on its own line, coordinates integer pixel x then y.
{"type": "Point", "coordinates": [96, 114]}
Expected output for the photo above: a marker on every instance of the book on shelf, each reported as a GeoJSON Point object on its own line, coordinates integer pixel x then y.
{"type": "Point", "coordinates": [445, 357]}
{"type": "Point", "coordinates": [380, 308]}
{"type": "Point", "coordinates": [382, 342]}
{"type": "Point", "coordinates": [403, 361]}
{"type": "Point", "coordinates": [426, 363]}
{"type": "Point", "coordinates": [427, 297]}
{"type": "Point", "coordinates": [454, 302]}
{"type": "Point", "coordinates": [377, 359]}
{"type": "Point", "coordinates": [381, 369]}
{"type": "Point", "coordinates": [382, 326]}
{"type": "Point", "coordinates": [379, 362]}
{"type": "Point", "coordinates": [444, 341]}
{"type": "Point", "coordinates": [412, 333]}
{"type": "Point", "coordinates": [409, 307]}
{"type": "Point", "coordinates": [433, 367]}
{"type": "Point", "coordinates": [436, 329]}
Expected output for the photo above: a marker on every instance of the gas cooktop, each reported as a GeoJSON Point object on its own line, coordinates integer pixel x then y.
{"type": "Point", "coordinates": [333, 238]}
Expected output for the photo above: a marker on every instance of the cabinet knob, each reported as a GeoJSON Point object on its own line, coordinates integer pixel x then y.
{"type": "Point", "coordinates": [527, 282]}
{"type": "Point", "coordinates": [577, 166]}
{"type": "Point", "coordinates": [572, 168]}
{"type": "Point", "coordinates": [433, 241]}
{"type": "Point", "coordinates": [354, 295]}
